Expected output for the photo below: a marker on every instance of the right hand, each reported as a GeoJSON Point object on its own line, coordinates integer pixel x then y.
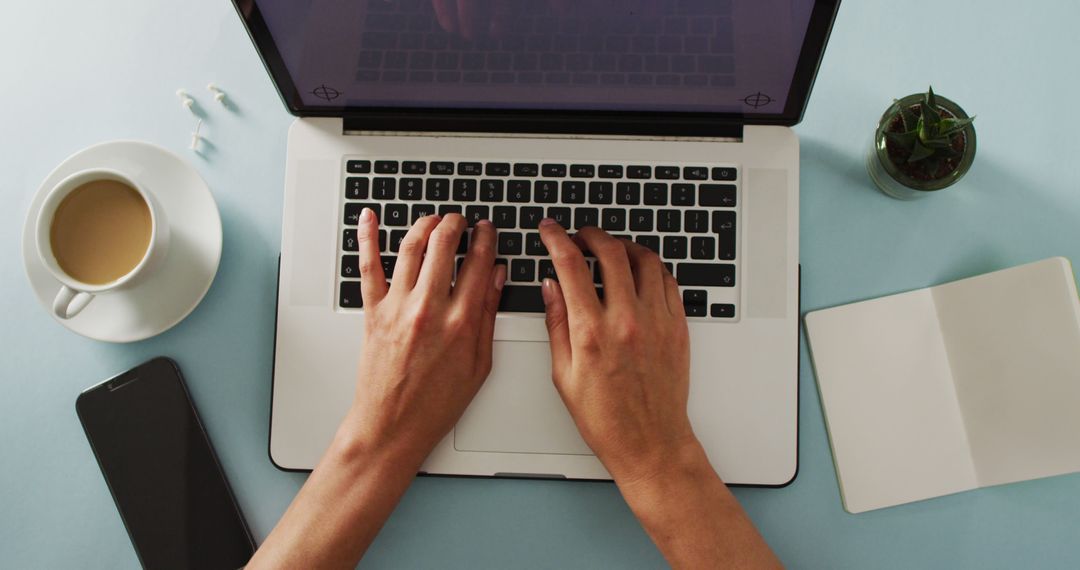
{"type": "Point", "coordinates": [621, 365]}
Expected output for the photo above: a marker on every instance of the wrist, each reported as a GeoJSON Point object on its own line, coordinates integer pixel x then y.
{"type": "Point", "coordinates": [353, 444]}
{"type": "Point", "coordinates": [680, 463]}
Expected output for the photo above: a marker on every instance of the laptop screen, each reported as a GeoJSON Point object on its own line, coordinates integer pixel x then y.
{"type": "Point", "coordinates": [729, 57]}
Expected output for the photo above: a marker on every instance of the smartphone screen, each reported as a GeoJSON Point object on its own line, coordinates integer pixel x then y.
{"type": "Point", "coordinates": [162, 473]}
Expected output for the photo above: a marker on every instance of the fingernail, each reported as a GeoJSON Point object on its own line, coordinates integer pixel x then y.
{"type": "Point", "coordinates": [547, 290]}
{"type": "Point", "coordinates": [500, 278]}
{"type": "Point", "coordinates": [484, 223]}
{"type": "Point", "coordinates": [547, 222]}
{"type": "Point", "coordinates": [366, 214]}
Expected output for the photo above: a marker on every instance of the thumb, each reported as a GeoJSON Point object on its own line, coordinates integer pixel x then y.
{"type": "Point", "coordinates": [557, 325]}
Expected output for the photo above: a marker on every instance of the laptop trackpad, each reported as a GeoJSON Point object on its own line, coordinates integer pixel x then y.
{"type": "Point", "coordinates": [518, 410]}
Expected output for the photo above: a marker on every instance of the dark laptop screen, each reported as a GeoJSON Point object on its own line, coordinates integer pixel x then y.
{"type": "Point", "coordinates": [706, 56]}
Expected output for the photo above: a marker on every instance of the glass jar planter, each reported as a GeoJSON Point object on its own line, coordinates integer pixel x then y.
{"type": "Point", "coordinates": [899, 184]}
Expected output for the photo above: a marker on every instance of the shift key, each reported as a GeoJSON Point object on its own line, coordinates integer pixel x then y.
{"type": "Point", "coordinates": [705, 274]}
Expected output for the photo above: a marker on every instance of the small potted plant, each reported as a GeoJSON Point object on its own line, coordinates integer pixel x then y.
{"type": "Point", "coordinates": [923, 143]}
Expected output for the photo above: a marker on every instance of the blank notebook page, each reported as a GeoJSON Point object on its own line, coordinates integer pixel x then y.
{"type": "Point", "coordinates": [892, 413]}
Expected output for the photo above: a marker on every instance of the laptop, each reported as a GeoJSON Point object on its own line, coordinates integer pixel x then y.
{"type": "Point", "coordinates": [666, 122]}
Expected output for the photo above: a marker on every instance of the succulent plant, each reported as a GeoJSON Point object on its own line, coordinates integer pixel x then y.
{"type": "Point", "coordinates": [928, 136]}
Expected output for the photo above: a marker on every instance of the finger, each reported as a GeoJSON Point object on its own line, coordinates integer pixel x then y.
{"type": "Point", "coordinates": [648, 272]}
{"type": "Point", "coordinates": [411, 253]}
{"type": "Point", "coordinates": [472, 15]}
{"type": "Point", "coordinates": [574, 275]}
{"type": "Point", "coordinates": [474, 279]}
{"type": "Point", "coordinates": [502, 14]}
{"type": "Point", "coordinates": [372, 278]}
{"type": "Point", "coordinates": [438, 269]}
{"type": "Point", "coordinates": [558, 326]}
{"type": "Point", "coordinates": [674, 298]}
{"type": "Point", "coordinates": [497, 279]}
{"type": "Point", "coordinates": [614, 265]}
{"type": "Point", "coordinates": [446, 12]}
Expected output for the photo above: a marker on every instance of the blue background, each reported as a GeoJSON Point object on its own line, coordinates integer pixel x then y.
{"type": "Point", "coordinates": [77, 73]}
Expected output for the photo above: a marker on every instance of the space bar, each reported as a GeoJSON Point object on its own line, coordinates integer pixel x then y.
{"type": "Point", "coordinates": [521, 299]}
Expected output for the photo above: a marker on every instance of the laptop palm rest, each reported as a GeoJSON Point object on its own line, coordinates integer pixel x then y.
{"type": "Point", "coordinates": [518, 410]}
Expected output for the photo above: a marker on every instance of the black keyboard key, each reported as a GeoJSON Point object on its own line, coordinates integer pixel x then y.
{"type": "Point", "coordinates": [421, 210]}
{"type": "Point", "coordinates": [722, 311]}
{"type": "Point", "coordinates": [651, 242]}
{"type": "Point", "coordinates": [384, 188]}
{"type": "Point", "coordinates": [411, 189]}
{"type": "Point", "coordinates": [396, 215]}
{"type": "Point", "coordinates": [611, 171]}
{"type": "Point", "coordinates": [682, 194]}
{"type": "Point", "coordinates": [586, 217]}
{"type": "Point", "coordinates": [698, 297]}
{"type": "Point", "coordinates": [463, 245]}
{"type": "Point", "coordinates": [348, 241]}
{"type": "Point", "coordinates": [706, 274]}
{"type": "Point", "coordinates": [546, 191]}
{"type": "Point", "coordinates": [628, 193]}
{"type": "Point", "coordinates": [470, 168]}
{"type": "Point", "coordinates": [350, 266]}
{"type": "Point", "coordinates": [474, 214]}
{"type": "Point", "coordinates": [386, 167]}
{"type": "Point", "coordinates": [674, 247]}
{"type": "Point", "coordinates": [613, 220]}
{"type": "Point", "coordinates": [510, 243]}
{"type": "Point", "coordinates": [702, 248]}
{"type": "Point", "coordinates": [497, 169]}
{"type": "Point", "coordinates": [356, 188]}
{"type": "Point", "coordinates": [445, 209]}
{"type": "Point", "coordinates": [639, 172]}
{"type": "Point", "coordinates": [519, 191]}
{"type": "Point", "coordinates": [504, 217]}
{"type": "Point", "coordinates": [442, 168]}
{"type": "Point", "coordinates": [526, 169]}
{"type": "Point", "coordinates": [560, 215]}
{"type": "Point", "coordinates": [667, 172]}
{"type": "Point", "coordinates": [695, 310]}
{"type": "Point", "coordinates": [521, 299]}
{"type": "Point", "coordinates": [350, 296]}
{"type": "Point", "coordinates": [358, 167]}
{"type": "Point", "coordinates": [668, 221]}
{"type": "Point", "coordinates": [641, 220]}
{"type": "Point", "coordinates": [554, 170]}
{"type": "Point", "coordinates": [353, 209]}
{"type": "Point", "coordinates": [395, 240]}
{"type": "Point", "coordinates": [491, 190]}
{"type": "Point", "coordinates": [534, 245]}
{"type": "Point", "coordinates": [717, 195]}
{"type": "Point", "coordinates": [547, 270]}
{"type": "Point", "coordinates": [573, 192]}
{"type": "Point", "coordinates": [522, 270]}
{"type": "Point", "coordinates": [724, 228]}
{"type": "Point", "coordinates": [464, 190]}
{"type": "Point", "coordinates": [389, 262]}
{"type": "Point", "coordinates": [438, 189]}
{"type": "Point", "coordinates": [582, 171]}
{"type": "Point", "coordinates": [382, 240]}
{"type": "Point", "coordinates": [696, 222]}
{"type": "Point", "coordinates": [601, 192]}
{"type": "Point", "coordinates": [530, 217]}
{"type": "Point", "coordinates": [695, 173]}
{"type": "Point", "coordinates": [413, 167]}
{"type": "Point", "coordinates": [724, 174]}
{"type": "Point", "coordinates": [656, 194]}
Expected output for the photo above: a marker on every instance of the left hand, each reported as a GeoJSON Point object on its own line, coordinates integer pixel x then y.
{"type": "Point", "coordinates": [427, 347]}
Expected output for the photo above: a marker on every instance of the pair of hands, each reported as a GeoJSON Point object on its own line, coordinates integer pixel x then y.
{"type": "Point", "coordinates": [621, 364]}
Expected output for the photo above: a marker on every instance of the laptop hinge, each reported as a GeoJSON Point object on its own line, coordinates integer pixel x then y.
{"type": "Point", "coordinates": [547, 123]}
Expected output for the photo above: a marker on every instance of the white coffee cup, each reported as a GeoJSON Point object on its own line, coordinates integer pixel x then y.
{"type": "Point", "coordinates": [75, 295]}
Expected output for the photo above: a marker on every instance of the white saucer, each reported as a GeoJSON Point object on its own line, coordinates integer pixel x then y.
{"type": "Point", "coordinates": [171, 293]}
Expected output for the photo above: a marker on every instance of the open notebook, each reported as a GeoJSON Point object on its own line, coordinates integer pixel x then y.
{"type": "Point", "coordinates": [960, 386]}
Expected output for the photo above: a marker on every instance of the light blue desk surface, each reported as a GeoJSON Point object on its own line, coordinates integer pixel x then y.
{"type": "Point", "coordinates": [76, 73]}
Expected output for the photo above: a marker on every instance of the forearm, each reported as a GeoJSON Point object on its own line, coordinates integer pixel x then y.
{"type": "Point", "coordinates": [694, 519]}
{"type": "Point", "coordinates": [341, 507]}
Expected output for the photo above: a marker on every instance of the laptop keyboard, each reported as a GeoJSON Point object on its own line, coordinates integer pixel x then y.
{"type": "Point", "coordinates": [685, 213]}
{"type": "Point", "coordinates": [402, 42]}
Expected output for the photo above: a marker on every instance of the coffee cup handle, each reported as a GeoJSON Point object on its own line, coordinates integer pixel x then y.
{"type": "Point", "coordinates": [70, 302]}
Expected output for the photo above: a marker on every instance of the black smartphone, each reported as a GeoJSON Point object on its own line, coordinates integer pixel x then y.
{"type": "Point", "coordinates": [162, 472]}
